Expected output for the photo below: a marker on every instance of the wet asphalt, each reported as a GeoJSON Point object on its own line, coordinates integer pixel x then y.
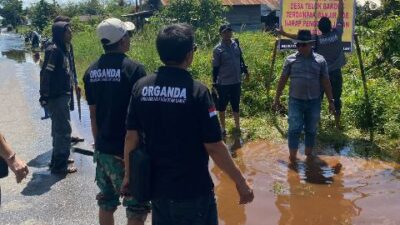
{"type": "Point", "coordinates": [42, 198]}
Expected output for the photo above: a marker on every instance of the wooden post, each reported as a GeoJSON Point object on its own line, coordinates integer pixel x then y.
{"type": "Point", "coordinates": [364, 80]}
{"type": "Point", "coordinates": [268, 79]}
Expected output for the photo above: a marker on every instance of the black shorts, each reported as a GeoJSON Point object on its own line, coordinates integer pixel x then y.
{"type": "Point", "coordinates": [229, 93]}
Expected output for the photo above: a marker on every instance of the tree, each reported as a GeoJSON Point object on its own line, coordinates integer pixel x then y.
{"type": "Point", "coordinates": [204, 15]}
{"type": "Point", "coordinates": [391, 7]}
{"type": "Point", "coordinates": [92, 7]}
{"type": "Point", "coordinates": [12, 12]}
{"type": "Point", "coordinates": [41, 14]}
{"type": "Point", "coordinates": [154, 4]}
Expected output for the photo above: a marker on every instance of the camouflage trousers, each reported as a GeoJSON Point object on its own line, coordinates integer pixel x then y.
{"type": "Point", "coordinates": [110, 172]}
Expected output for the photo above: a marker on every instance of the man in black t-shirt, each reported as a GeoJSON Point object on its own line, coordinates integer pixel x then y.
{"type": "Point", "coordinates": [108, 84]}
{"type": "Point", "coordinates": [180, 127]}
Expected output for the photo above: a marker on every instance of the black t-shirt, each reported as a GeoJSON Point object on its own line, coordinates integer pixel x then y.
{"type": "Point", "coordinates": [176, 116]}
{"type": "Point", "coordinates": [108, 86]}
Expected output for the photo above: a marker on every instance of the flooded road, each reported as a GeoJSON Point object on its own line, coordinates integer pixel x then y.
{"type": "Point", "coordinates": [328, 190]}
{"type": "Point", "coordinates": [334, 189]}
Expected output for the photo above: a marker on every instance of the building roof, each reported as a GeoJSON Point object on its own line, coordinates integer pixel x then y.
{"type": "Point", "coordinates": [271, 3]}
{"type": "Point", "coordinates": [250, 2]}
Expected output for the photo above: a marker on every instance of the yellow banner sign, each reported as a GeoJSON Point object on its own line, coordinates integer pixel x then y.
{"type": "Point", "coordinates": [305, 14]}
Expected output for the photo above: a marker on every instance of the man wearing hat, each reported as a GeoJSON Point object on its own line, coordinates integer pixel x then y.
{"type": "Point", "coordinates": [329, 45]}
{"type": "Point", "coordinates": [308, 73]}
{"type": "Point", "coordinates": [228, 66]}
{"type": "Point", "coordinates": [108, 84]}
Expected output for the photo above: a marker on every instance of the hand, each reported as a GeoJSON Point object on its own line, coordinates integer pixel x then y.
{"type": "Point", "coordinates": [332, 108]}
{"type": "Point", "coordinates": [279, 31]}
{"type": "Point", "coordinates": [19, 168]}
{"type": "Point", "coordinates": [214, 88]}
{"type": "Point", "coordinates": [276, 106]}
{"type": "Point", "coordinates": [245, 192]}
{"type": "Point", "coordinates": [78, 90]}
{"type": "Point", "coordinates": [247, 77]}
{"type": "Point", "coordinates": [125, 186]}
{"type": "Point", "coordinates": [43, 100]}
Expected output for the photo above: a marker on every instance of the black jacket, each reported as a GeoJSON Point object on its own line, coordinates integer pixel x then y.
{"type": "Point", "coordinates": [57, 73]}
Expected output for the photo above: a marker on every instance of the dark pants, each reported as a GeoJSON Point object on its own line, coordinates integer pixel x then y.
{"type": "Point", "coordinates": [229, 94]}
{"type": "Point", "coordinates": [60, 131]}
{"type": "Point", "coordinates": [198, 211]}
{"type": "Point", "coordinates": [336, 79]}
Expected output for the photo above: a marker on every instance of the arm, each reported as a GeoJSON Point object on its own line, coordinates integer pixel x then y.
{"type": "Point", "coordinates": [131, 138]}
{"type": "Point", "coordinates": [47, 71]}
{"type": "Point", "coordinates": [220, 155]}
{"type": "Point", "coordinates": [340, 11]}
{"type": "Point", "coordinates": [131, 142]}
{"type": "Point", "coordinates": [93, 121]}
{"type": "Point", "coordinates": [216, 63]}
{"type": "Point", "coordinates": [326, 84]}
{"type": "Point", "coordinates": [18, 166]}
{"type": "Point", "coordinates": [215, 72]}
{"type": "Point", "coordinates": [282, 32]}
{"type": "Point", "coordinates": [281, 85]}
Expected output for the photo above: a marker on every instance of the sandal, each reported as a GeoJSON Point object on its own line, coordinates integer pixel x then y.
{"type": "Point", "coordinates": [70, 169]}
{"type": "Point", "coordinates": [76, 139]}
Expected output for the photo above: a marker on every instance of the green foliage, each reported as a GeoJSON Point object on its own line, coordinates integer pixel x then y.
{"type": "Point", "coordinates": [360, 111]}
{"type": "Point", "coordinates": [366, 13]}
{"type": "Point", "coordinates": [12, 12]}
{"type": "Point", "coordinates": [71, 10]}
{"type": "Point", "coordinates": [91, 7]}
{"type": "Point", "coordinates": [42, 14]}
{"type": "Point", "coordinates": [204, 15]}
{"type": "Point", "coordinates": [257, 119]}
{"type": "Point", "coordinates": [391, 7]}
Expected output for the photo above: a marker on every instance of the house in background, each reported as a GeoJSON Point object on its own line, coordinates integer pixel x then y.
{"type": "Point", "coordinates": [250, 14]}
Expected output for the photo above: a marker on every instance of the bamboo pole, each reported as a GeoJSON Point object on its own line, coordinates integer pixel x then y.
{"type": "Point", "coordinates": [268, 79]}
{"type": "Point", "coordinates": [364, 80]}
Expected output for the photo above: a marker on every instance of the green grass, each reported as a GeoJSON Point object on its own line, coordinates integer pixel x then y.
{"type": "Point", "coordinates": [257, 119]}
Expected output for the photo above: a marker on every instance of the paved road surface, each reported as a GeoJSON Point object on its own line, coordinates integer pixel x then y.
{"type": "Point", "coordinates": [41, 199]}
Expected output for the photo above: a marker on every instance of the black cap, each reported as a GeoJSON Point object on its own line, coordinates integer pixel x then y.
{"type": "Point", "coordinates": [304, 36]}
{"type": "Point", "coordinates": [225, 27]}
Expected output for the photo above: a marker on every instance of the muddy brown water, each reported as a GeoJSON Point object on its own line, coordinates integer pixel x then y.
{"type": "Point", "coordinates": [333, 189]}
{"type": "Point", "coordinates": [326, 190]}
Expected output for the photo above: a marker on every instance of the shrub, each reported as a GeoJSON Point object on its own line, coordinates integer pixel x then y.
{"type": "Point", "coordinates": [204, 15]}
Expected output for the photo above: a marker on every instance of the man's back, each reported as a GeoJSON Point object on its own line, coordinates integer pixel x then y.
{"type": "Point", "coordinates": [330, 46]}
{"type": "Point", "coordinates": [108, 85]}
{"type": "Point", "coordinates": [177, 116]}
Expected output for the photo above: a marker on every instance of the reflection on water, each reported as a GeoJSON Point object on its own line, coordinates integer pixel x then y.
{"type": "Point", "coordinates": [227, 196]}
{"type": "Point", "coordinates": [12, 47]}
{"type": "Point", "coordinates": [315, 195]}
{"type": "Point", "coordinates": [17, 55]}
{"type": "Point", "coordinates": [327, 190]}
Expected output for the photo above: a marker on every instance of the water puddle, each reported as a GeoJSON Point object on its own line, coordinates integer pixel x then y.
{"type": "Point", "coordinates": [325, 190]}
